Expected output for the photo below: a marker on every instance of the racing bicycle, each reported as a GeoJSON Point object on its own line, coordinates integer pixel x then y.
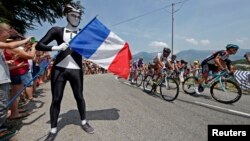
{"type": "Point", "coordinates": [168, 87]}
{"type": "Point", "coordinates": [222, 86]}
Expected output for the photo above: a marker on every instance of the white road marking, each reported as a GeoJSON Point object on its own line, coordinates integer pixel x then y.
{"type": "Point", "coordinates": [208, 105]}
{"type": "Point", "coordinates": [225, 109]}
{"type": "Point", "coordinates": [127, 83]}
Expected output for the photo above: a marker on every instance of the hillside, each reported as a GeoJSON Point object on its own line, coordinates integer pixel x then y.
{"type": "Point", "coordinates": [241, 61]}
{"type": "Point", "coordinates": [242, 64]}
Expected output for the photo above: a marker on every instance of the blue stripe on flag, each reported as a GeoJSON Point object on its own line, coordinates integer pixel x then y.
{"type": "Point", "coordinates": [90, 38]}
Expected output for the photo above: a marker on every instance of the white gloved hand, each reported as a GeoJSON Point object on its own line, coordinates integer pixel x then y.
{"type": "Point", "coordinates": [62, 46]}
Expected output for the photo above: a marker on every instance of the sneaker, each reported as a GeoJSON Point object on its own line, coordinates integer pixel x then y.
{"type": "Point", "coordinates": [51, 137]}
{"type": "Point", "coordinates": [200, 88]}
{"type": "Point", "coordinates": [156, 91]}
{"type": "Point", "coordinates": [87, 128]}
{"type": "Point", "coordinates": [7, 134]}
{"type": "Point", "coordinates": [196, 90]}
{"type": "Point", "coordinates": [154, 86]}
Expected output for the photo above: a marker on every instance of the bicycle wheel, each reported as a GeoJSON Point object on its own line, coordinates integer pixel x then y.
{"type": "Point", "coordinates": [139, 80]}
{"type": "Point", "coordinates": [148, 83]}
{"type": "Point", "coordinates": [225, 92]}
{"type": "Point", "coordinates": [189, 85]}
{"type": "Point", "coordinates": [169, 89]}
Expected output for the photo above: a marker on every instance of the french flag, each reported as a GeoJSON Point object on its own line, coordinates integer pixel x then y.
{"type": "Point", "coordinates": [99, 45]}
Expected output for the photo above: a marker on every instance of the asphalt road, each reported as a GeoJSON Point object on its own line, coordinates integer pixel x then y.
{"type": "Point", "coordinates": [119, 111]}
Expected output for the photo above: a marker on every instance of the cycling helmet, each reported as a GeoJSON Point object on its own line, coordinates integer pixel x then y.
{"type": "Point", "coordinates": [73, 7]}
{"type": "Point", "coordinates": [174, 56]}
{"type": "Point", "coordinates": [183, 62]}
{"type": "Point", "coordinates": [166, 50]}
{"type": "Point", "coordinates": [232, 46]}
{"type": "Point", "coordinates": [196, 62]}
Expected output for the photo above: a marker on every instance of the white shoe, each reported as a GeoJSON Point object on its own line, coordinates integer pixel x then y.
{"type": "Point", "coordinates": [196, 90]}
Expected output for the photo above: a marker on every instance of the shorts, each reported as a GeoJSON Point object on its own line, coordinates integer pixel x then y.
{"type": "Point", "coordinates": [24, 78]}
{"type": "Point", "coordinates": [208, 67]}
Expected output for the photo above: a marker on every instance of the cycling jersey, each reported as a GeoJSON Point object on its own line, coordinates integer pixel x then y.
{"type": "Point", "coordinates": [209, 63]}
{"type": "Point", "coordinates": [134, 65]}
{"type": "Point", "coordinates": [222, 54]}
{"type": "Point", "coordinates": [140, 63]}
{"type": "Point", "coordinates": [161, 58]}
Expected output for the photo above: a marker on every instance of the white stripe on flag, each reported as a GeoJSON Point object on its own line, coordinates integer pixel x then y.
{"type": "Point", "coordinates": [108, 50]}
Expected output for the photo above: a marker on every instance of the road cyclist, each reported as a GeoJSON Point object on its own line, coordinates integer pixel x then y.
{"type": "Point", "coordinates": [223, 88]}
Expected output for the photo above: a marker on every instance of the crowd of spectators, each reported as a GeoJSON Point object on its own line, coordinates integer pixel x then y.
{"type": "Point", "coordinates": [20, 64]}
{"type": "Point", "coordinates": [92, 68]}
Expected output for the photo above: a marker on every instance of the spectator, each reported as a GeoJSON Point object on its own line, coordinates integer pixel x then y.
{"type": "Point", "coordinates": [5, 33]}
{"type": "Point", "coordinates": [19, 73]}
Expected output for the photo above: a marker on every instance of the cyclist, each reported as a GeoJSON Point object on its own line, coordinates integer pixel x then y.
{"type": "Point", "coordinates": [140, 64]}
{"type": "Point", "coordinates": [173, 63]}
{"type": "Point", "coordinates": [183, 70]}
{"type": "Point", "coordinates": [217, 61]}
{"type": "Point", "coordinates": [133, 71]}
{"type": "Point", "coordinates": [160, 62]}
{"type": "Point", "coordinates": [137, 66]}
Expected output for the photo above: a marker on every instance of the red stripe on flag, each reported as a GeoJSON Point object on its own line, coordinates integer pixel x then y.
{"type": "Point", "coordinates": [121, 64]}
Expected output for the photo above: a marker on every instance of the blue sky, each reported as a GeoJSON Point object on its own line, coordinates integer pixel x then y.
{"type": "Point", "coordinates": [198, 24]}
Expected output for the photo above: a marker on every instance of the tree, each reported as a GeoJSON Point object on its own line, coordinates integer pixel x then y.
{"type": "Point", "coordinates": [23, 14]}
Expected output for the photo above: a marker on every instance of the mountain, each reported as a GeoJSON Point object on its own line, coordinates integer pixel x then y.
{"type": "Point", "coordinates": [190, 55]}
{"type": "Point", "coordinates": [147, 57]}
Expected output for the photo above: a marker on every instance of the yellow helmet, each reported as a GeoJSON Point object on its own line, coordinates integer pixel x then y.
{"type": "Point", "coordinates": [196, 62]}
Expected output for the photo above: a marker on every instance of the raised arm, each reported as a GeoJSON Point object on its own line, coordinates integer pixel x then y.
{"type": "Point", "coordinates": [14, 44]}
{"type": "Point", "coordinates": [25, 54]}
